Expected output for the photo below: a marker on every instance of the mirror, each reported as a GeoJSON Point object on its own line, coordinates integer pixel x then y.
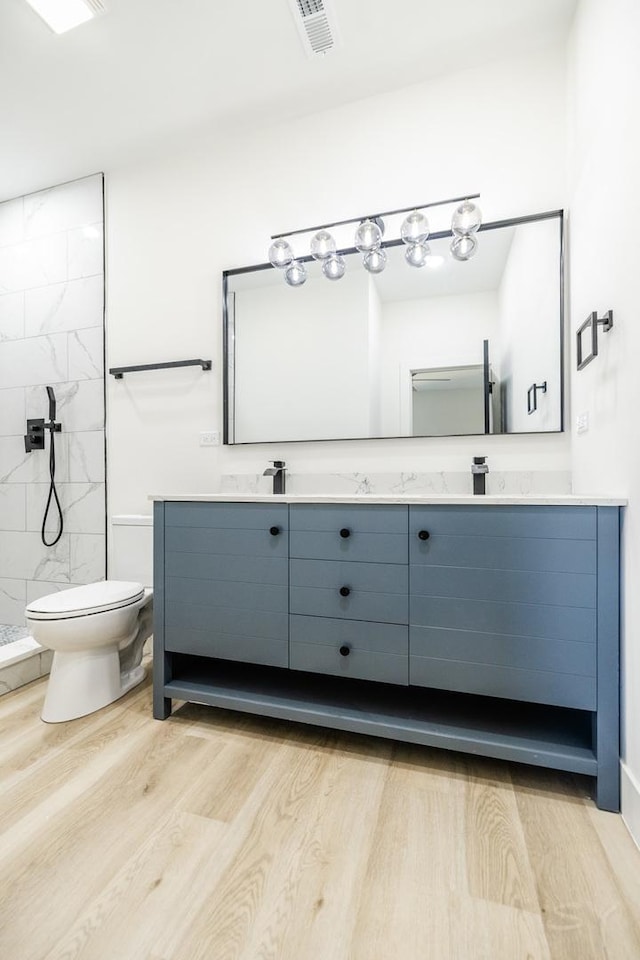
{"type": "Point", "coordinates": [450, 350]}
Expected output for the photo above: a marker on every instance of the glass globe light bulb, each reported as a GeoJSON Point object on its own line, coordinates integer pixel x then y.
{"type": "Point", "coordinates": [334, 267]}
{"type": "Point", "coordinates": [466, 219]}
{"type": "Point", "coordinates": [280, 254]}
{"type": "Point", "coordinates": [415, 228]}
{"type": "Point", "coordinates": [322, 245]}
{"type": "Point", "coordinates": [368, 236]}
{"type": "Point", "coordinates": [295, 274]}
{"type": "Point", "coordinates": [417, 254]}
{"type": "Point", "coordinates": [464, 247]}
{"type": "Point", "coordinates": [375, 261]}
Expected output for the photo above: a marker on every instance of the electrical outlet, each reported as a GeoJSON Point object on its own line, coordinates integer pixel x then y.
{"type": "Point", "coordinates": [582, 423]}
{"type": "Point", "coordinates": [209, 438]}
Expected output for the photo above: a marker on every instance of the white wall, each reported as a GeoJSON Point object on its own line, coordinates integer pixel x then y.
{"type": "Point", "coordinates": [605, 210]}
{"type": "Point", "coordinates": [173, 226]}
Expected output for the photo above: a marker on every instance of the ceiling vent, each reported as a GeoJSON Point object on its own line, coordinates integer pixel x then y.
{"type": "Point", "coordinates": [97, 6]}
{"type": "Point", "coordinates": [316, 25]}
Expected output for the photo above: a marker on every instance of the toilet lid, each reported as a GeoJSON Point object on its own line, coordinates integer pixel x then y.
{"type": "Point", "coordinates": [81, 601]}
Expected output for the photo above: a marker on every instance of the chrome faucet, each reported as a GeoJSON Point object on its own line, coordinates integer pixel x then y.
{"type": "Point", "coordinates": [479, 471]}
{"type": "Point", "coordinates": [277, 471]}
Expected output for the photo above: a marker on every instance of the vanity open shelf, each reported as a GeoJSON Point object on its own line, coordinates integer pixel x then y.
{"type": "Point", "coordinates": [505, 729]}
{"type": "Point", "coordinates": [489, 628]}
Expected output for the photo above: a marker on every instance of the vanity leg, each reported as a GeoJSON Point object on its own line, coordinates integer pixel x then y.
{"type": "Point", "coordinates": [162, 674]}
{"type": "Point", "coordinates": [608, 790]}
{"type": "Point", "coordinates": [162, 707]}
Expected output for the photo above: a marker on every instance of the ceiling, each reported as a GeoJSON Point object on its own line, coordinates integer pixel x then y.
{"type": "Point", "coordinates": [151, 73]}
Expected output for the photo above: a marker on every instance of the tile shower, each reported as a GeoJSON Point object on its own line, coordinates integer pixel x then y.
{"type": "Point", "coordinates": [51, 333]}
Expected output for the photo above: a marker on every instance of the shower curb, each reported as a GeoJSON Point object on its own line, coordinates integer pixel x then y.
{"type": "Point", "coordinates": [22, 662]}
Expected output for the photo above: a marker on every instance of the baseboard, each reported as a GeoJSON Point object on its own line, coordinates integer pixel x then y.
{"type": "Point", "coordinates": [630, 790]}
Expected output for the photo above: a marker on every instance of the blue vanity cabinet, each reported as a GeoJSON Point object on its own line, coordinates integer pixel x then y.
{"type": "Point", "coordinates": [503, 602]}
{"type": "Point", "coordinates": [349, 578]}
{"type": "Point", "coordinates": [225, 585]}
{"type": "Point", "coordinates": [486, 628]}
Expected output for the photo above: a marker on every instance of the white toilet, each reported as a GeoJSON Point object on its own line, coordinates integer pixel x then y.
{"type": "Point", "coordinates": [97, 632]}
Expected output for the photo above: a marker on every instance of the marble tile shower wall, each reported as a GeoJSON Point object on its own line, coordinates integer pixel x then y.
{"type": "Point", "coordinates": [51, 333]}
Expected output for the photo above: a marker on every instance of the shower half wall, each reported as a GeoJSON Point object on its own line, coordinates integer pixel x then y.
{"type": "Point", "coordinates": [51, 333]}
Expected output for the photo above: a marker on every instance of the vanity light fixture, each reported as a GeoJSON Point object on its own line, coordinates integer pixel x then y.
{"type": "Point", "coordinates": [63, 15]}
{"type": "Point", "coordinates": [414, 232]}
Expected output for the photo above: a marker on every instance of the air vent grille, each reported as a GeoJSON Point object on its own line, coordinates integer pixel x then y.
{"type": "Point", "coordinates": [308, 8]}
{"type": "Point", "coordinates": [96, 5]}
{"type": "Point", "coordinates": [316, 25]}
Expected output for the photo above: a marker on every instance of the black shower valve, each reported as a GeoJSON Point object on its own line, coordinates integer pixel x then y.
{"type": "Point", "coordinates": [34, 437]}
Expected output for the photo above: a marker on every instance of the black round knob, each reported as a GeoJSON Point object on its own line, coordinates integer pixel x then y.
{"type": "Point", "coordinates": [423, 534]}
{"type": "Point", "coordinates": [274, 531]}
{"type": "Point", "coordinates": [345, 532]}
{"type": "Point", "coordinates": [345, 650]}
{"type": "Point", "coordinates": [345, 591]}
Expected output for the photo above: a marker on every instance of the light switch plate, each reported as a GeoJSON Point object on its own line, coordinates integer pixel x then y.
{"type": "Point", "coordinates": [209, 438]}
{"type": "Point", "coordinates": [582, 423]}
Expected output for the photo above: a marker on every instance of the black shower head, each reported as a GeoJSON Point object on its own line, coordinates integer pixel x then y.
{"type": "Point", "coordinates": [52, 404]}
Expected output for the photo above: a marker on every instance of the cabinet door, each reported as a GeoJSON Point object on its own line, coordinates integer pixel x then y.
{"type": "Point", "coordinates": [226, 569]}
{"type": "Point", "coordinates": [503, 602]}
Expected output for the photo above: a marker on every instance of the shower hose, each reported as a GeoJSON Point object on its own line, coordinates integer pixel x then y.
{"type": "Point", "coordinates": [53, 494]}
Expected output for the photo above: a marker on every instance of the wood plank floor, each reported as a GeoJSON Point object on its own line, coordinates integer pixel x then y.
{"type": "Point", "coordinates": [216, 836]}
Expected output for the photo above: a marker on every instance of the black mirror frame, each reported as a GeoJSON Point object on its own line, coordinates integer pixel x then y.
{"type": "Point", "coordinates": [228, 400]}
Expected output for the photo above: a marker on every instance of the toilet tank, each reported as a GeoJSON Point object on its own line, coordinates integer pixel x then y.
{"type": "Point", "coordinates": [131, 553]}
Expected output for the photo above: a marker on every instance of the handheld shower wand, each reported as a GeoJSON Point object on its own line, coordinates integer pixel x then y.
{"type": "Point", "coordinates": [52, 405]}
{"type": "Point", "coordinates": [53, 428]}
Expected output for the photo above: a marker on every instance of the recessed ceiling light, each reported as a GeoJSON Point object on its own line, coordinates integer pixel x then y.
{"type": "Point", "coordinates": [63, 15]}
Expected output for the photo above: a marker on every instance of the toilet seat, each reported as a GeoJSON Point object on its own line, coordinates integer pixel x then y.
{"type": "Point", "coordinates": [83, 601]}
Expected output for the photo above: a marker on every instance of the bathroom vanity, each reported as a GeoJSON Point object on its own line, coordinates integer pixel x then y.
{"type": "Point", "coordinates": [488, 625]}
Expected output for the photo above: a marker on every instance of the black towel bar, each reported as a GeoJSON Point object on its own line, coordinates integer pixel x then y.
{"type": "Point", "coordinates": [118, 372]}
{"type": "Point", "coordinates": [590, 326]}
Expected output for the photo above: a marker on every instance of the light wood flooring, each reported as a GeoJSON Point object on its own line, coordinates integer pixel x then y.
{"type": "Point", "coordinates": [216, 836]}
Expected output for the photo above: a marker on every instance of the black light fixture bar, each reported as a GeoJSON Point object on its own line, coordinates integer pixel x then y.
{"type": "Point", "coordinates": [118, 372]}
{"type": "Point", "coordinates": [375, 216]}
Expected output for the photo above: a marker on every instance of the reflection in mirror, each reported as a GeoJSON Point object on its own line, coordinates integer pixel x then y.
{"type": "Point", "coordinates": [447, 401]}
{"type": "Point", "coordinates": [443, 351]}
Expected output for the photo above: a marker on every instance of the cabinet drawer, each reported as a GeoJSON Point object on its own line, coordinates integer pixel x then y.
{"type": "Point", "coordinates": [377, 591]}
{"type": "Point", "coordinates": [372, 534]}
{"type": "Point", "coordinates": [374, 651]}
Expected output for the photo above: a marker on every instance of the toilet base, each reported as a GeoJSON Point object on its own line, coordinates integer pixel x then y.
{"type": "Point", "coordinates": [82, 682]}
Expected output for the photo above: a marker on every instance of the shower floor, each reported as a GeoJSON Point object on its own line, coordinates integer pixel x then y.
{"type": "Point", "coordinates": [21, 658]}
{"type": "Point", "coordinates": [9, 634]}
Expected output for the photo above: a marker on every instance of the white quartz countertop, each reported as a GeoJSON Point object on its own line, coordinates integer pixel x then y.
{"type": "Point", "coordinates": [460, 499]}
